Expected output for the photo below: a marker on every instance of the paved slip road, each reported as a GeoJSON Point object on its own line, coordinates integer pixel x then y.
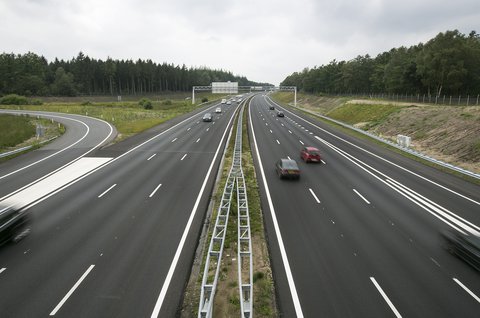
{"type": "Point", "coordinates": [82, 136]}
{"type": "Point", "coordinates": [119, 241]}
{"type": "Point", "coordinates": [359, 236]}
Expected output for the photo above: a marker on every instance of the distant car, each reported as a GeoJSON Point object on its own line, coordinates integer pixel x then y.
{"type": "Point", "coordinates": [287, 168]}
{"type": "Point", "coordinates": [218, 110]}
{"type": "Point", "coordinates": [224, 101]}
{"type": "Point", "coordinates": [280, 114]}
{"type": "Point", "coordinates": [207, 117]}
{"type": "Point", "coordinates": [14, 224]}
{"type": "Point", "coordinates": [239, 100]}
{"type": "Point", "coordinates": [271, 107]}
{"type": "Point", "coordinates": [229, 103]}
{"type": "Point", "coordinates": [310, 154]}
{"type": "Point", "coordinates": [467, 247]}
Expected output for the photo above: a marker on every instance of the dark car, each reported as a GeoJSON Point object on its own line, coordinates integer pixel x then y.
{"type": "Point", "coordinates": [465, 246]}
{"type": "Point", "coordinates": [310, 154]}
{"type": "Point", "coordinates": [14, 224]}
{"type": "Point", "coordinates": [280, 114]}
{"type": "Point", "coordinates": [287, 168]}
{"type": "Point", "coordinates": [271, 108]}
{"type": "Point", "coordinates": [207, 117]}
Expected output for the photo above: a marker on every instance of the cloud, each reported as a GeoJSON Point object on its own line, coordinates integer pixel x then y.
{"type": "Point", "coordinates": [263, 40]}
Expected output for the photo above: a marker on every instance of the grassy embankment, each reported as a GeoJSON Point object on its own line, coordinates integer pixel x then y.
{"type": "Point", "coordinates": [127, 116]}
{"type": "Point", "coordinates": [227, 303]}
{"type": "Point", "coordinates": [448, 133]}
{"type": "Point", "coordinates": [20, 131]}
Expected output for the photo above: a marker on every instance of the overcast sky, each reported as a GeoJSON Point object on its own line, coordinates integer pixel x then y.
{"type": "Point", "coordinates": [264, 40]}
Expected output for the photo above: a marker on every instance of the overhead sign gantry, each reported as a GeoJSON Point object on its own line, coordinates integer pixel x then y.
{"type": "Point", "coordinates": [233, 88]}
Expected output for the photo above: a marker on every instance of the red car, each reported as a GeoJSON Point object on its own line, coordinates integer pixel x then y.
{"type": "Point", "coordinates": [310, 154]}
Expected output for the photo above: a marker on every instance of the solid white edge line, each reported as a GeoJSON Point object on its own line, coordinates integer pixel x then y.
{"type": "Point", "coordinates": [62, 150]}
{"type": "Point", "coordinates": [439, 213]}
{"type": "Point", "coordinates": [151, 156]}
{"type": "Point", "coordinates": [183, 157]}
{"type": "Point", "coordinates": [467, 290]}
{"type": "Point", "coordinates": [60, 304]}
{"type": "Point", "coordinates": [173, 265]}
{"type": "Point", "coordinates": [437, 207]}
{"type": "Point", "coordinates": [52, 115]}
{"type": "Point", "coordinates": [100, 167]}
{"type": "Point", "coordinates": [105, 192]}
{"type": "Point", "coordinates": [2, 270]}
{"type": "Point", "coordinates": [288, 272]}
{"type": "Point", "coordinates": [68, 163]}
{"type": "Point", "coordinates": [436, 212]}
{"type": "Point", "coordinates": [385, 297]}
{"type": "Point", "coordinates": [314, 195]}
{"type": "Point", "coordinates": [388, 161]}
{"type": "Point", "coordinates": [361, 196]}
{"type": "Point", "coordinates": [153, 193]}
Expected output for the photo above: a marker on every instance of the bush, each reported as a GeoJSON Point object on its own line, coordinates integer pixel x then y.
{"type": "Point", "coordinates": [13, 99]}
{"type": "Point", "coordinates": [36, 102]}
{"type": "Point", "coordinates": [167, 102]}
{"type": "Point", "coordinates": [87, 103]}
{"type": "Point", "coordinates": [204, 100]}
{"type": "Point", "coordinates": [146, 103]}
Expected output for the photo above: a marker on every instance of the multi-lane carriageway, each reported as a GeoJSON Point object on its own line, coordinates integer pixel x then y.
{"type": "Point", "coordinates": [357, 236]}
{"type": "Point", "coordinates": [119, 240]}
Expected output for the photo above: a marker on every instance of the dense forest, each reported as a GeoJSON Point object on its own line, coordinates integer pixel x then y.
{"type": "Point", "coordinates": [447, 64]}
{"type": "Point", "coordinates": [32, 75]}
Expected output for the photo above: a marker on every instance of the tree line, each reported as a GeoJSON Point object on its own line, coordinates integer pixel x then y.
{"type": "Point", "coordinates": [32, 75]}
{"type": "Point", "coordinates": [446, 64]}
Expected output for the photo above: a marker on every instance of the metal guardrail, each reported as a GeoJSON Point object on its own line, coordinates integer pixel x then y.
{"type": "Point", "coordinates": [215, 250]}
{"type": "Point", "coordinates": [407, 150]}
{"type": "Point", "coordinates": [6, 154]}
{"type": "Point", "coordinates": [244, 246]}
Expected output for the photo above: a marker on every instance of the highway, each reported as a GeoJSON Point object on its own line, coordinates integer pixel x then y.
{"type": "Point", "coordinates": [115, 235]}
{"type": "Point", "coordinates": [115, 227]}
{"type": "Point", "coordinates": [359, 236]}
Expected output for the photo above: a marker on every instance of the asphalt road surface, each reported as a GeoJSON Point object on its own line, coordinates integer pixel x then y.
{"type": "Point", "coordinates": [359, 235]}
{"type": "Point", "coordinates": [114, 233]}
{"type": "Point", "coordinates": [83, 135]}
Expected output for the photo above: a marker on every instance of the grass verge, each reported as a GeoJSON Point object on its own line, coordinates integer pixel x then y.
{"type": "Point", "coordinates": [20, 131]}
{"type": "Point", "coordinates": [227, 301]}
{"type": "Point", "coordinates": [128, 117]}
